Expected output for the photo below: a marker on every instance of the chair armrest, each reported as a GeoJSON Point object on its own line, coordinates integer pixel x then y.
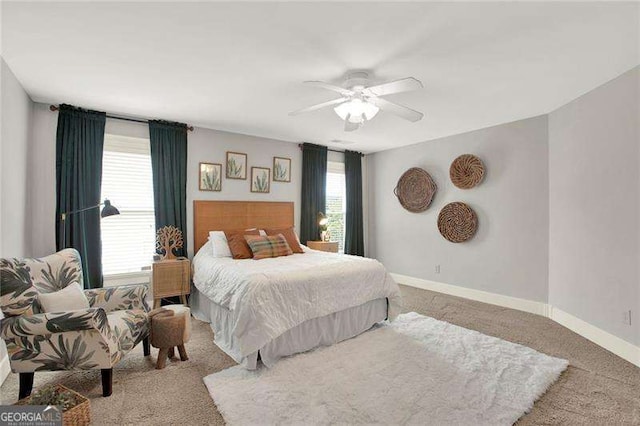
{"type": "Point", "coordinates": [54, 322]}
{"type": "Point", "coordinates": [119, 298]}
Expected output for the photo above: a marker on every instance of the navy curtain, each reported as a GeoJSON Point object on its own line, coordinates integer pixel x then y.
{"type": "Point", "coordinates": [79, 146]}
{"type": "Point", "coordinates": [169, 166]}
{"type": "Point", "coordinates": [314, 190]}
{"type": "Point", "coordinates": [354, 224]}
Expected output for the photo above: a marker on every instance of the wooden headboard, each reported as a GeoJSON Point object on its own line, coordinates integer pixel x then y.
{"type": "Point", "coordinates": [233, 215]}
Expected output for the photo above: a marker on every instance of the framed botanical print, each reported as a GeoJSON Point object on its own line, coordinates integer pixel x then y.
{"type": "Point", "coordinates": [210, 177]}
{"type": "Point", "coordinates": [236, 165]}
{"type": "Point", "coordinates": [260, 179]}
{"type": "Point", "coordinates": [281, 169]}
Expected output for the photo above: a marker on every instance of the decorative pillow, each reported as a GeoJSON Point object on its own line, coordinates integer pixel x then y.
{"type": "Point", "coordinates": [238, 245]}
{"type": "Point", "coordinates": [269, 246]}
{"type": "Point", "coordinates": [289, 235]}
{"type": "Point", "coordinates": [70, 298]}
{"type": "Point", "coordinates": [219, 244]}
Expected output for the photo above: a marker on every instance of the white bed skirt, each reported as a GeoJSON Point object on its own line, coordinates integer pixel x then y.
{"type": "Point", "coordinates": [322, 331]}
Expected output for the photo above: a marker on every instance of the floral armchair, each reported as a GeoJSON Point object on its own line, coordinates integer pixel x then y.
{"type": "Point", "coordinates": [83, 339]}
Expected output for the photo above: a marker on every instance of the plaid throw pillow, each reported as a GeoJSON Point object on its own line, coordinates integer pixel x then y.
{"type": "Point", "coordinates": [268, 246]}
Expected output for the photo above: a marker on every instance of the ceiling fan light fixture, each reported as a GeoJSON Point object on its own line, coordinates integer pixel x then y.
{"type": "Point", "coordinates": [354, 109]}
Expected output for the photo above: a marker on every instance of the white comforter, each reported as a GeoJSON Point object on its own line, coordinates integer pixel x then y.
{"type": "Point", "coordinates": [271, 296]}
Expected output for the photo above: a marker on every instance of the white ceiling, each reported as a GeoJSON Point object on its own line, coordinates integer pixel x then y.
{"type": "Point", "coordinates": [239, 67]}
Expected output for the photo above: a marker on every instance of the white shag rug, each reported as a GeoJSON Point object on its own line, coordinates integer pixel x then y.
{"type": "Point", "coordinates": [414, 370]}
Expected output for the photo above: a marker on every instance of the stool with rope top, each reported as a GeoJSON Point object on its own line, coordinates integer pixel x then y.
{"type": "Point", "coordinates": [170, 328]}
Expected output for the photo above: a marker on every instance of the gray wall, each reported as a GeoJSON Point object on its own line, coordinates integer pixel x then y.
{"type": "Point", "coordinates": [204, 146]}
{"type": "Point", "coordinates": [211, 146]}
{"type": "Point", "coordinates": [41, 199]}
{"type": "Point", "coordinates": [16, 124]}
{"type": "Point", "coordinates": [509, 254]}
{"type": "Point", "coordinates": [594, 207]}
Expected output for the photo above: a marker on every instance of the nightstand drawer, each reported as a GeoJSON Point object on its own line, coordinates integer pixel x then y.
{"type": "Point", "coordinates": [330, 246]}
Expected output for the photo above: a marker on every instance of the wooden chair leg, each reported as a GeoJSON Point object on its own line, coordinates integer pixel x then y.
{"type": "Point", "coordinates": [146, 349]}
{"type": "Point", "coordinates": [183, 299]}
{"type": "Point", "coordinates": [172, 353]}
{"type": "Point", "coordinates": [107, 381]}
{"type": "Point", "coordinates": [183, 353]}
{"type": "Point", "coordinates": [26, 385]}
{"type": "Point", "coordinates": [162, 358]}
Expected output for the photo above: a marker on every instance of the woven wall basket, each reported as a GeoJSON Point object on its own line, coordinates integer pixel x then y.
{"type": "Point", "coordinates": [415, 190]}
{"type": "Point", "coordinates": [457, 222]}
{"type": "Point", "coordinates": [466, 171]}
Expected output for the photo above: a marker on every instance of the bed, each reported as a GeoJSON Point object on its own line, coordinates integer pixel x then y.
{"type": "Point", "coordinates": [270, 308]}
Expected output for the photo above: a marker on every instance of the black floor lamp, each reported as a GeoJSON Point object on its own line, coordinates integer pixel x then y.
{"type": "Point", "coordinates": [107, 210]}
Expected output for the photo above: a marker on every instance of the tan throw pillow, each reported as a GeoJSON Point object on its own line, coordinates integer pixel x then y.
{"type": "Point", "coordinates": [269, 246]}
{"type": "Point", "coordinates": [238, 245]}
{"type": "Point", "coordinates": [289, 235]}
{"type": "Point", "coordinates": [70, 298]}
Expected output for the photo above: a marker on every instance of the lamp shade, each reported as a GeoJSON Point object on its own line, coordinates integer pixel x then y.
{"type": "Point", "coordinates": [322, 219]}
{"type": "Point", "coordinates": [108, 209]}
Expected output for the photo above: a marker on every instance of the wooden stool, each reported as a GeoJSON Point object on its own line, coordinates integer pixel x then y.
{"type": "Point", "coordinates": [170, 327]}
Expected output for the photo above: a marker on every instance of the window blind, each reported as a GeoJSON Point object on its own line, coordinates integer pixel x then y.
{"type": "Point", "coordinates": [336, 202]}
{"type": "Point", "coordinates": [128, 239]}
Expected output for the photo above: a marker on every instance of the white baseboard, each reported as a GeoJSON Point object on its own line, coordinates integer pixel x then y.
{"type": "Point", "coordinates": [539, 308]}
{"type": "Point", "coordinates": [612, 343]}
{"type": "Point", "coordinates": [5, 368]}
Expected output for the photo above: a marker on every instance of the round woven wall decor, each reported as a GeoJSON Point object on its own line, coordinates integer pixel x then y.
{"type": "Point", "coordinates": [457, 222]}
{"type": "Point", "coordinates": [415, 190]}
{"type": "Point", "coordinates": [466, 171]}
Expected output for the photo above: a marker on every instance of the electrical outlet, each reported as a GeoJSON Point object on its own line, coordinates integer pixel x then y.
{"type": "Point", "coordinates": [437, 269]}
{"type": "Point", "coordinates": [627, 317]}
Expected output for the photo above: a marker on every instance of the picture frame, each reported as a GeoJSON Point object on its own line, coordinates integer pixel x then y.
{"type": "Point", "coordinates": [281, 169]}
{"type": "Point", "coordinates": [236, 167]}
{"type": "Point", "coordinates": [261, 180]}
{"type": "Point", "coordinates": [210, 177]}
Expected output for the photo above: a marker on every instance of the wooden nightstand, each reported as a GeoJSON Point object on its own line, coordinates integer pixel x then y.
{"type": "Point", "coordinates": [330, 246]}
{"type": "Point", "coordinates": [171, 278]}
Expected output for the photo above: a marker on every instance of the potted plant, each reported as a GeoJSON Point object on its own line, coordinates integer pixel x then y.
{"type": "Point", "coordinates": [75, 407]}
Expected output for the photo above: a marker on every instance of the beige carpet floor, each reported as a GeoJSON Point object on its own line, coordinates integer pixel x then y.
{"type": "Point", "coordinates": [598, 388]}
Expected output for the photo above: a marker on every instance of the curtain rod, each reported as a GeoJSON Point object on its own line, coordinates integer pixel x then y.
{"type": "Point", "coordinates": [329, 149]}
{"type": "Point", "coordinates": [115, 117]}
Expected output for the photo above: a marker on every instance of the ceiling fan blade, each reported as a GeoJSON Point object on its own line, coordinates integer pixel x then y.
{"type": "Point", "coordinates": [397, 86]}
{"type": "Point", "coordinates": [319, 106]}
{"type": "Point", "coordinates": [399, 110]}
{"type": "Point", "coordinates": [322, 84]}
{"type": "Point", "coordinates": [349, 126]}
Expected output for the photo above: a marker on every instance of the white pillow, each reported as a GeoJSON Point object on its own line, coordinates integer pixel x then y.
{"type": "Point", "coordinates": [219, 244]}
{"type": "Point", "coordinates": [70, 298]}
{"type": "Point", "coordinates": [262, 232]}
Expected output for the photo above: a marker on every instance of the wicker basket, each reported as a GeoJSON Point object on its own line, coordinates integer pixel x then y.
{"type": "Point", "coordinates": [79, 415]}
{"type": "Point", "coordinates": [457, 222]}
{"type": "Point", "coordinates": [415, 190]}
{"type": "Point", "coordinates": [466, 171]}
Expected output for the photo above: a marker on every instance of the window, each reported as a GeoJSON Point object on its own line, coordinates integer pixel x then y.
{"type": "Point", "coordinates": [128, 240]}
{"type": "Point", "coordinates": [336, 202]}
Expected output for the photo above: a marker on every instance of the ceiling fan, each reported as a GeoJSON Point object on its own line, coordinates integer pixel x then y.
{"type": "Point", "coordinates": [360, 101]}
